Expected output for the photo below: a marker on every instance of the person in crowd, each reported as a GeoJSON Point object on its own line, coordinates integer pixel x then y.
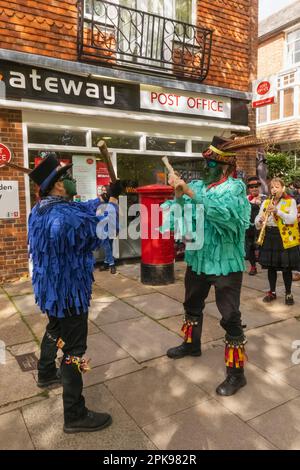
{"type": "Point", "coordinates": [280, 245]}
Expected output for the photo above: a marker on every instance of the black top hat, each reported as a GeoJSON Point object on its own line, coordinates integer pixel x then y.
{"type": "Point", "coordinates": [47, 173]}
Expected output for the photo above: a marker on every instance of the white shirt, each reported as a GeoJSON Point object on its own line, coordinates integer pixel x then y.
{"type": "Point", "coordinates": [287, 218]}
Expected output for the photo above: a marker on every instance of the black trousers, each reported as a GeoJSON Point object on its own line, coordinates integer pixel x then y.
{"type": "Point", "coordinates": [228, 291]}
{"type": "Point", "coordinates": [73, 331]}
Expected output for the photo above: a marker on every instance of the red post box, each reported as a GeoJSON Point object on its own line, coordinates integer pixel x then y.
{"type": "Point", "coordinates": [157, 250]}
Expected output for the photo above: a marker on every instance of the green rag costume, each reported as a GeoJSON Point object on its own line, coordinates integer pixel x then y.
{"type": "Point", "coordinates": [226, 218]}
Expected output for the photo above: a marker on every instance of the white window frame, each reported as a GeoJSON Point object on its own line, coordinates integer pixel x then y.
{"type": "Point", "coordinates": [286, 56]}
{"type": "Point", "coordinates": [296, 86]}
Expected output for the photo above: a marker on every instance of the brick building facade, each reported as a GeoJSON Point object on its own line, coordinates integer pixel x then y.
{"type": "Point", "coordinates": [279, 55]}
{"type": "Point", "coordinates": [205, 59]}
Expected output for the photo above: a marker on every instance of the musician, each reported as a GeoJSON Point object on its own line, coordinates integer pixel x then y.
{"type": "Point", "coordinates": [280, 248]}
{"type": "Point", "coordinates": [220, 261]}
{"type": "Point", "coordinates": [255, 198]}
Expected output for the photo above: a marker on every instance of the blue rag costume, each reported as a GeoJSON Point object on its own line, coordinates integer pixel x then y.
{"type": "Point", "coordinates": [62, 238]}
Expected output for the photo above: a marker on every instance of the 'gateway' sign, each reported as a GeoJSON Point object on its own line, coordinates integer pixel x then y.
{"type": "Point", "coordinates": [160, 99]}
{"type": "Point", "coordinates": [23, 82]}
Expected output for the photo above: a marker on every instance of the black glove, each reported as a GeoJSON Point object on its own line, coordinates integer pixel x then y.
{"type": "Point", "coordinates": [115, 189]}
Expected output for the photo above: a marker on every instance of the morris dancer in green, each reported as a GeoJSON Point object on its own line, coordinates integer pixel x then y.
{"type": "Point", "coordinates": [220, 261]}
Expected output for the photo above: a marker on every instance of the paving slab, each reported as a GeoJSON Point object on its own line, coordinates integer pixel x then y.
{"type": "Point", "coordinates": [101, 295]}
{"type": "Point", "coordinates": [103, 313]}
{"type": "Point", "coordinates": [281, 425]}
{"type": "Point", "coordinates": [16, 436]}
{"type": "Point", "coordinates": [268, 353]}
{"type": "Point", "coordinates": [18, 288]}
{"type": "Point", "coordinates": [37, 323]}
{"type": "Point", "coordinates": [175, 291]}
{"type": "Point", "coordinates": [143, 338]}
{"type": "Point", "coordinates": [156, 305]}
{"type": "Point", "coordinates": [7, 308]}
{"type": "Point", "coordinates": [16, 385]}
{"type": "Point", "coordinates": [122, 287]}
{"type": "Point", "coordinates": [133, 271]}
{"type": "Point", "coordinates": [207, 426]}
{"type": "Point", "coordinates": [14, 331]}
{"type": "Point", "coordinates": [211, 327]}
{"type": "Point", "coordinates": [287, 331]}
{"type": "Point", "coordinates": [26, 304]}
{"type": "Point", "coordinates": [109, 371]}
{"type": "Point", "coordinates": [24, 348]}
{"type": "Point", "coordinates": [44, 421]}
{"type": "Point", "coordinates": [291, 376]}
{"type": "Point", "coordinates": [102, 350]}
{"type": "Point", "coordinates": [155, 392]}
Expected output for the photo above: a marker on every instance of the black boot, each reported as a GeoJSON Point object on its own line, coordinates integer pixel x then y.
{"type": "Point", "coordinates": [234, 381]}
{"type": "Point", "coordinates": [188, 349]}
{"type": "Point", "coordinates": [91, 422]}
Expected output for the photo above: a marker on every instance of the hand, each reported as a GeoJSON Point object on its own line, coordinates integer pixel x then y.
{"type": "Point", "coordinates": [115, 189]}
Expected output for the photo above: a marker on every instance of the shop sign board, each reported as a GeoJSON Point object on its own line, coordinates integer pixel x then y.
{"type": "Point", "coordinates": [34, 83]}
{"type": "Point", "coordinates": [197, 104]}
{"type": "Point", "coordinates": [84, 171]}
{"type": "Point", "coordinates": [9, 200]}
{"type": "Point", "coordinates": [5, 155]}
{"type": "Point", "coordinates": [264, 91]}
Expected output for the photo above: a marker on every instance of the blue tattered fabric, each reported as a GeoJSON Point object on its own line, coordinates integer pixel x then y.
{"type": "Point", "coordinates": [62, 237]}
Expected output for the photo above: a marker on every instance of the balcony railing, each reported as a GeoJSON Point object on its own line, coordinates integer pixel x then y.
{"type": "Point", "coordinates": [127, 38]}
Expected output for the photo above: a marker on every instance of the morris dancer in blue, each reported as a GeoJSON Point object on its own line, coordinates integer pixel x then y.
{"type": "Point", "coordinates": [62, 237]}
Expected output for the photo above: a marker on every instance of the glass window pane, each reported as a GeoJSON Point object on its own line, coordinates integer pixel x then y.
{"type": "Point", "coordinates": [275, 109]}
{"type": "Point", "coordinates": [288, 108]}
{"type": "Point", "coordinates": [199, 147]}
{"type": "Point", "coordinates": [163, 145]}
{"type": "Point", "coordinates": [262, 114]}
{"type": "Point", "coordinates": [116, 141]}
{"type": "Point", "coordinates": [57, 137]}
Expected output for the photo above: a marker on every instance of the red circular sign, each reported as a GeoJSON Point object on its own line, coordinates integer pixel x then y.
{"type": "Point", "coordinates": [89, 161]}
{"type": "Point", "coordinates": [5, 155]}
{"type": "Point", "coordinates": [263, 88]}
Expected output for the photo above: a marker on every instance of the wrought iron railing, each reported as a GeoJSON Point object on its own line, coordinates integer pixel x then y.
{"type": "Point", "coordinates": [124, 37]}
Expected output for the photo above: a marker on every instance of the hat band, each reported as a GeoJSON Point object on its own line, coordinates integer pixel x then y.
{"type": "Point", "coordinates": [219, 152]}
{"type": "Point", "coordinates": [49, 179]}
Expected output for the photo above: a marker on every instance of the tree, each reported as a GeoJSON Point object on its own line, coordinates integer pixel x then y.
{"type": "Point", "coordinates": [280, 165]}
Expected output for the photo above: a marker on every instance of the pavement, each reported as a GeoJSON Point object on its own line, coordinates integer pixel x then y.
{"type": "Point", "coordinates": [156, 402]}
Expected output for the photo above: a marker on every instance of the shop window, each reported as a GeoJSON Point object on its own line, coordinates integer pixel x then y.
{"type": "Point", "coordinates": [57, 137]}
{"type": "Point", "coordinates": [116, 141]}
{"type": "Point", "coordinates": [262, 114]}
{"type": "Point", "coordinates": [165, 145]}
{"type": "Point", "coordinates": [288, 106]}
{"type": "Point", "coordinates": [275, 109]}
{"type": "Point", "coordinates": [199, 147]}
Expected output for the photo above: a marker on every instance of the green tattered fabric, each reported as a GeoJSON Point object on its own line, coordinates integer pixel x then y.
{"type": "Point", "coordinates": [226, 218]}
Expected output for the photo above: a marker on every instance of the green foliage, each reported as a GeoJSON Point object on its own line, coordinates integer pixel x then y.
{"type": "Point", "coordinates": [280, 165]}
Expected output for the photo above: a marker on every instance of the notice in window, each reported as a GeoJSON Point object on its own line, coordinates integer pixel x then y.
{"type": "Point", "coordinates": [9, 200]}
{"type": "Point", "coordinates": [84, 171]}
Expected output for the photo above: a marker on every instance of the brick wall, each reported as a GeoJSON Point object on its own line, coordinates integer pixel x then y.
{"type": "Point", "coordinates": [49, 27]}
{"type": "Point", "coordinates": [270, 56]}
{"type": "Point", "coordinates": [234, 40]}
{"type": "Point", "coordinates": [13, 233]}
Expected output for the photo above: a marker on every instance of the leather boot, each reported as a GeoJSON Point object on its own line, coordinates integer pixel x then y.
{"type": "Point", "coordinates": [91, 422]}
{"type": "Point", "coordinates": [235, 380]}
{"type": "Point", "coordinates": [188, 349]}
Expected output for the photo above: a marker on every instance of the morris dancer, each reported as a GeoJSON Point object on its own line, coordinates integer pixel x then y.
{"type": "Point", "coordinates": [220, 261]}
{"type": "Point", "coordinates": [62, 237]}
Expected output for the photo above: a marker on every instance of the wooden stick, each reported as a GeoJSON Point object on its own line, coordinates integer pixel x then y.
{"type": "Point", "coordinates": [106, 157]}
{"type": "Point", "coordinates": [17, 167]}
{"type": "Point", "coordinates": [171, 172]}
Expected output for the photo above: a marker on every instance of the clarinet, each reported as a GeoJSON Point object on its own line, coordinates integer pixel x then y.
{"type": "Point", "coordinates": [262, 232]}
